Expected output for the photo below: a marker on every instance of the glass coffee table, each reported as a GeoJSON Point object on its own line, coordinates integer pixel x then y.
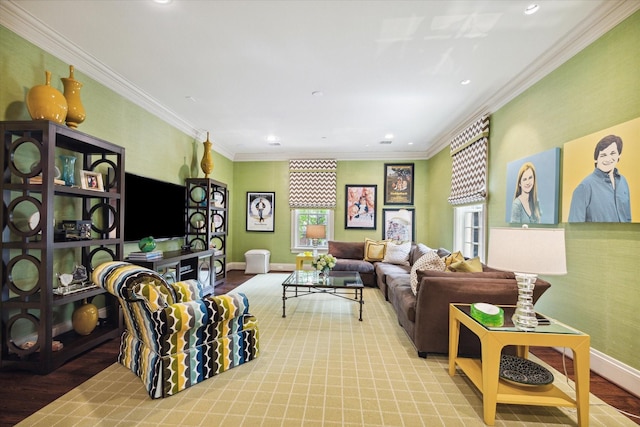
{"type": "Point", "coordinates": [484, 373]}
{"type": "Point", "coordinates": [342, 284]}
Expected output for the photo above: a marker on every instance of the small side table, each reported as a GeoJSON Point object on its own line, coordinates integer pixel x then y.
{"type": "Point", "coordinates": [484, 373]}
{"type": "Point", "coordinates": [300, 259]}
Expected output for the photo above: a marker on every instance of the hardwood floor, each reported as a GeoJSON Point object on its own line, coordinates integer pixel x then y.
{"type": "Point", "coordinates": [23, 393]}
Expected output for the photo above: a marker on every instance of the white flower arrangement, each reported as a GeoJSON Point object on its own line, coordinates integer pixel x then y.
{"type": "Point", "coordinates": [324, 261]}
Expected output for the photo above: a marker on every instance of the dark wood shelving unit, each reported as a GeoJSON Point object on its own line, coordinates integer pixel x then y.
{"type": "Point", "coordinates": [207, 215]}
{"type": "Point", "coordinates": [30, 254]}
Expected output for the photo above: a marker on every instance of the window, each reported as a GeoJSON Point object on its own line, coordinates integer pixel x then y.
{"type": "Point", "coordinates": [299, 220]}
{"type": "Point", "coordinates": [469, 231]}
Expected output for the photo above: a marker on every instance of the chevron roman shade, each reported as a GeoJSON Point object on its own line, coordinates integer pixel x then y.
{"type": "Point", "coordinates": [312, 183]}
{"type": "Point", "coordinates": [469, 170]}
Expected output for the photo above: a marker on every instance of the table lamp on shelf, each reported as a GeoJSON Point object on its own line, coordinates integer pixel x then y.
{"type": "Point", "coordinates": [527, 252]}
{"type": "Point", "coordinates": [315, 232]}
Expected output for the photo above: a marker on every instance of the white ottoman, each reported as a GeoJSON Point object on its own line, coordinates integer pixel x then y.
{"type": "Point", "coordinates": [257, 261]}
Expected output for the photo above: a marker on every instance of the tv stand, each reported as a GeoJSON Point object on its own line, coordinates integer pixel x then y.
{"type": "Point", "coordinates": [179, 265]}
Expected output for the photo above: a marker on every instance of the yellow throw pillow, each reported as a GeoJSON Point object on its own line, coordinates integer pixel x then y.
{"type": "Point", "coordinates": [454, 257]}
{"type": "Point", "coordinates": [472, 265]}
{"type": "Point", "coordinates": [374, 250]}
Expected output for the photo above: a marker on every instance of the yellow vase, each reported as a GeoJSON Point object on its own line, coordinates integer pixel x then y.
{"type": "Point", "coordinates": [207, 160]}
{"type": "Point", "coordinates": [85, 318]}
{"type": "Point", "coordinates": [75, 112]}
{"type": "Point", "coordinates": [46, 103]}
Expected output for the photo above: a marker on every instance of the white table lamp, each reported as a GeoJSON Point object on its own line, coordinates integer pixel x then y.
{"type": "Point", "coordinates": [527, 252]}
{"type": "Point", "coordinates": [315, 232]}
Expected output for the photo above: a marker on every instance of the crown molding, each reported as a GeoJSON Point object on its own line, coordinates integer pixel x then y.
{"type": "Point", "coordinates": [285, 156]}
{"type": "Point", "coordinates": [591, 29]}
{"type": "Point", "coordinates": [13, 17]}
{"type": "Point", "coordinates": [28, 27]}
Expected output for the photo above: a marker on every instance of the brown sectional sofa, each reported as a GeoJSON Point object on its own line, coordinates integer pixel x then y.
{"type": "Point", "coordinates": [425, 315]}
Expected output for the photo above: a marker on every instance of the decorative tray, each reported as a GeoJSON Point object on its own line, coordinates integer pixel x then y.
{"type": "Point", "coordinates": [521, 371]}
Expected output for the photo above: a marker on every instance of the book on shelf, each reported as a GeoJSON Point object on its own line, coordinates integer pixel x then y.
{"type": "Point", "coordinates": [38, 180]}
{"type": "Point", "coordinates": [145, 255]}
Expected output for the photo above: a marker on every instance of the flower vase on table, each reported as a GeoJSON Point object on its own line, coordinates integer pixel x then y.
{"type": "Point", "coordinates": [324, 263]}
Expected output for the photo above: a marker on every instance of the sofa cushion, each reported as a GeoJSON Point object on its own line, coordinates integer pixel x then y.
{"type": "Point", "coordinates": [417, 251]}
{"type": "Point", "coordinates": [374, 250]}
{"type": "Point", "coordinates": [429, 261]}
{"type": "Point", "coordinates": [496, 274]}
{"type": "Point", "coordinates": [350, 250]}
{"type": "Point", "coordinates": [468, 265]}
{"type": "Point", "coordinates": [403, 298]}
{"type": "Point", "coordinates": [453, 258]}
{"type": "Point", "coordinates": [358, 265]}
{"type": "Point", "coordinates": [397, 253]}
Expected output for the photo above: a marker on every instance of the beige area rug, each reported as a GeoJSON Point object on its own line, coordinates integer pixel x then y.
{"type": "Point", "coordinates": [319, 366]}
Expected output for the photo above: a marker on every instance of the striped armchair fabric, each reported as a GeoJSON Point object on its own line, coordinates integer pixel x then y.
{"type": "Point", "coordinates": [174, 338]}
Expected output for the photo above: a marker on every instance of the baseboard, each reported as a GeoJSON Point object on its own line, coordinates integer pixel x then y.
{"type": "Point", "coordinates": [273, 267]}
{"type": "Point", "coordinates": [613, 370]}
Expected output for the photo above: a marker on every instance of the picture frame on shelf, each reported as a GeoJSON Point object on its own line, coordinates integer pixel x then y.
{"type": "Point", "coordinates": [360, 202]}
{"type": "Point", "coordinates": [398, 183]}
{"type": "Point", "coordinates": [91, 181]}
{"type": "Point", "coordinates": [261, 211]}
{"type": "Point", "coordinates": [398, 224]}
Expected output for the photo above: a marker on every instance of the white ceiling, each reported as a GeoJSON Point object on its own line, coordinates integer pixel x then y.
{"type": "Point", "coordinates": [243, 70]}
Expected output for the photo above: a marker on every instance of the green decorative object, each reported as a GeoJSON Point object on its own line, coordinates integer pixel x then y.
{"type": "Point", "coordinates": [147, 244]}
{"type": "Point", "coordinates": [487, 314]}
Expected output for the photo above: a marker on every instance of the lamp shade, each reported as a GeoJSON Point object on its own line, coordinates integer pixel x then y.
{"type": "Point", "coordinates": [316, 232]}
{"type": "Point", "coordinates": [528, 250]}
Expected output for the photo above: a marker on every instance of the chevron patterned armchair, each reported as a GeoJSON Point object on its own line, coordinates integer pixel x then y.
{"type": "Point", "coordinates": [174, 337]}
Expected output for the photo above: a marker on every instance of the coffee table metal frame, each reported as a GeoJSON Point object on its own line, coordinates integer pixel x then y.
{"type": "Point", "coordinates": [342, 284]}
{"type": "Point", "coordinates": [484, 373]}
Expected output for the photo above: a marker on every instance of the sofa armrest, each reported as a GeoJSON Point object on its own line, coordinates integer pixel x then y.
{"type": "Point", "coordinates": [436, 293]}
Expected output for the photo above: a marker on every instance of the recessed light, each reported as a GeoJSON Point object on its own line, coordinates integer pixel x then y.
{"type": "Point", "coordinates": [271, 138]}
{"type": "Point", "coordinates": [388, 136]}
{"type": "Point", "coordinates": [162, 1]}
{"type": "Point", "coordinates": [317, 93]}
{"type": "Point", "coordinates": [531, 9]}
{"type": "Point", "coordinates": [410, 143]}
{"type": "Point", "coordinates": [465, 82]}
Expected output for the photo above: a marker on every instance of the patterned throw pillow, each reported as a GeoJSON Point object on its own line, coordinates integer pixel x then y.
{"type": "Point", "coordinates": [374, 250]}
{"type": "Point", "coordinates": [154, 292]}
{"type": "Point", "coordinates": [397, 253]}
{"type": "Point", "coordinates": [453, 258]}
{"type": "Point", "coordinates": [428, 261]}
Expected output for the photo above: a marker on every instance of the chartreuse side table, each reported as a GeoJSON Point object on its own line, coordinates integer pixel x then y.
{"type": "Point", "coordinates": [301, 258]}
{"type": "Point", "coordinates": [484, 373]}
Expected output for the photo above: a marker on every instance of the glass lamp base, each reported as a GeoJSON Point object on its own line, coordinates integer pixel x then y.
{"type": "Point", "coordinates": [524, 318]}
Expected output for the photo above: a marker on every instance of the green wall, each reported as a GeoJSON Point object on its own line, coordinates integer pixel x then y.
{"type": "Point", "coordinates": [596, 89]}
{"type": "Point", "coordinates": [274, 176]}
{"type": "Point", "coordinates": [153, 147]}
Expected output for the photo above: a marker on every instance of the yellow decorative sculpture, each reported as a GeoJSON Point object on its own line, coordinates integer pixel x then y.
{"type": "Point", "coordinates": [207, 160]}
{"type": "Point", "coordinates": [46, 103]}
{"type": "Point", "coordinates": [75, 113]}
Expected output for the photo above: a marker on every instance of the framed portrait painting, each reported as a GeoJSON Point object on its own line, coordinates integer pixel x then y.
{"type": "Point", "coordinates": [360, 206]}
{"type": "Point", "coordinates": [261, 211]}
{"type": "Point", "coordinates": [398, 184]}
{"type": "Point", "coordinates": [398, 224]}
{"type": "Point", "coordinates": [533, 189]}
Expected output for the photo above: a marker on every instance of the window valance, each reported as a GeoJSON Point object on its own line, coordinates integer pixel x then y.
{"type": "Point", "coordinates": [312, 183]}
{"type": "Point", "coordinates": [469, 151]}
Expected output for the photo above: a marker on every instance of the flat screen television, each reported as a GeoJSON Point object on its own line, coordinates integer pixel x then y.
{"type": "Point", "coordinates": [153, 208]}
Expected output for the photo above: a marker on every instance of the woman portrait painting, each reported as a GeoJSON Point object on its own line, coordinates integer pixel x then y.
{"type": "Point", "coordinates": [533, 189]}
{"type": "Point", "coordinates": [525, 208]}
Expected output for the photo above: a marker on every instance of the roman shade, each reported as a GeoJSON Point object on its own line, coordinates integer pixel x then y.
{"type": "Point", "coordinates": [469, 151]}
{"type": "Point", "coordinates": [312, 183]}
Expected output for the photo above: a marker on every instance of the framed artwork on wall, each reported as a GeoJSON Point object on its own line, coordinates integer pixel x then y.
{"type": "Point", "coordinates": [261, 211]}
{"type": "Point", "coordinates": [360, 206]}
{"type": "Point", "coordinates": [590, 166]}
{"type": "Point", "coordinates": [533, 189]}
{"type": "Point", "coordinates": [398, 184]}
{"type": "Point", "coordinates": [398, 224]}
